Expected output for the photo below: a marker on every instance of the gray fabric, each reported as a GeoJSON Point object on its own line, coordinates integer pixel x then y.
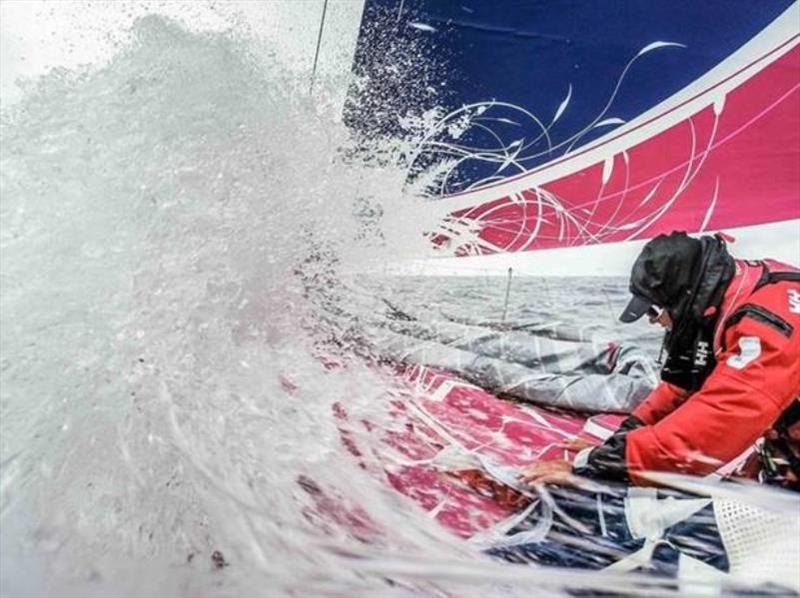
{"type": "Point", "coordinates": [596, 377]}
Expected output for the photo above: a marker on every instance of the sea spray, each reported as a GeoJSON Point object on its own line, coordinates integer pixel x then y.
{"type": "Point", "coordinates": [161, 394]}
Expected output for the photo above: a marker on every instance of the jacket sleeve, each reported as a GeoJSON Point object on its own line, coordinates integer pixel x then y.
{"type": "Point", "coordinates": [664, 399]}
{"type": "Point", "coordinates": [607, 461]}
{"type": "Point", "coordinates": [755, 379]}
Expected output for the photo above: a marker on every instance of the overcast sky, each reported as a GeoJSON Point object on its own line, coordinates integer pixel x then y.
{"type": "Point", "coordinates": [36, 35]}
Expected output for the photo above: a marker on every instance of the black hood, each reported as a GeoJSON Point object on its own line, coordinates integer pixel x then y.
{"type": "Point", "coordinates": [694, 312]}
{"type": "Point", "coordinates": [666, 268]}
{"type": "Point", "coordinates": [711, 274]}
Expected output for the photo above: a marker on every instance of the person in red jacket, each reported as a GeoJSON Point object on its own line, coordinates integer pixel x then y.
{"type": "Point", "coordinates": [731, 374]}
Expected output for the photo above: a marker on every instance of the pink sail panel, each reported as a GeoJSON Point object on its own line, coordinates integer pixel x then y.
{"type": "Point", "coordinates": [733, 163]}
{"type": "Point", "coordinates": [438, 414]}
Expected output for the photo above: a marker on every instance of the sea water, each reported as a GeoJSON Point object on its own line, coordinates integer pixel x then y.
{"type": "Point", "coordinates": [170, 221]}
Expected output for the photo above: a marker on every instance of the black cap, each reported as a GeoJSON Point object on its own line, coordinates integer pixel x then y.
{"type": "Point", "coordinates": [661, 273]}
{"type": "Point", "coordinates": [635, 309]}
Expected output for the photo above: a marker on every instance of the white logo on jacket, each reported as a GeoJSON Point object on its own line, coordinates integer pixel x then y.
{"type": "Point", "coordinates": [701, 355]}
{"type": "Point", "coordinates": [749, 350]}
{"type": "Point", "coordinates": [794, 301]}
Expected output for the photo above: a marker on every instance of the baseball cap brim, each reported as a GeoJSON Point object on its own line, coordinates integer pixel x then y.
{"type": "Point", "coordinates": [635, 309]}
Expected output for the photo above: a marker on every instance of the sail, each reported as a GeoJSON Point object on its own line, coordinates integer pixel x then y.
{"type": "Point", "coordinates": [564, 124]}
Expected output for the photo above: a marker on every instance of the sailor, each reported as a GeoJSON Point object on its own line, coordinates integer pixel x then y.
{"type": "Point", "coordinates": [731, 377]}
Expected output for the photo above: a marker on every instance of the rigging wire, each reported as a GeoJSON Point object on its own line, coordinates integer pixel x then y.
{"type": "Point", "coordinates": [319, 42]}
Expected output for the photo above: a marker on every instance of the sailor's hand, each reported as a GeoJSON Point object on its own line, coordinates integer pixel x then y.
{"type": "Point", "coordinates": [549, 472]}
{"type": "Point", "coordinates": [577, 444]}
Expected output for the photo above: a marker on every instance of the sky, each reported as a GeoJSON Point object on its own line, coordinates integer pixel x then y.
{"type": "Point", "coordinates": [37, 35]}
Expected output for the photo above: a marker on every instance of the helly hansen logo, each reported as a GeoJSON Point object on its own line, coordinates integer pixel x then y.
{"type": "Point", "coordinates": [701, 354]}
{"type": "Point", "coordinates": [794, 301]}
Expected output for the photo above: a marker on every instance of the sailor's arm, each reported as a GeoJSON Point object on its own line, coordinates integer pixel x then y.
{"type": "Point", "coordinates": [753, 382]}
{"type": "Point", "coordinates": [664, 399]}
{"type": "Point", "coordinates": [607, 462]}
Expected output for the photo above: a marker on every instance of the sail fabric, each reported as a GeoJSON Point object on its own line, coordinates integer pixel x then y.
{"type": "Point", "coordinates": [583, 376]}
{"type": "Point", "coordinates": [562, 124]}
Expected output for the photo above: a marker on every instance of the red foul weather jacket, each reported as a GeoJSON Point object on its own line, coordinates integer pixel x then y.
{"type": "Point", "coordinates": [755, 380]}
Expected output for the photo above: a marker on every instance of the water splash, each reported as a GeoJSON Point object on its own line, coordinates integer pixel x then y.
{"type": "Point", "coordinates": [159, 389]}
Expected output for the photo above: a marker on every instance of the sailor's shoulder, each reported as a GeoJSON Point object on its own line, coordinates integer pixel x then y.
{"type": "Point", "coordinates": [781, 298]}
